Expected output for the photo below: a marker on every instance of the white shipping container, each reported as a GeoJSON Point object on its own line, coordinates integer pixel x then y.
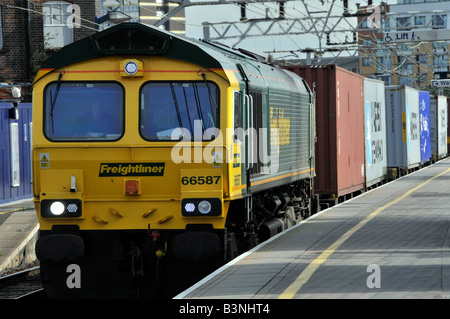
{"type": "Point", "coordinates": [442, 126]}
{"type": "Point", "coordinates": [438, 126]}
{"type": "Point", "coordinates": [402, 124]}
{"type": "Point", "coordinates": [375, 131]}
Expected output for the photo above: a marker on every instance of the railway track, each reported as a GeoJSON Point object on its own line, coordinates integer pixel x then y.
{"type": "Point", "coordinates": [21, 284]}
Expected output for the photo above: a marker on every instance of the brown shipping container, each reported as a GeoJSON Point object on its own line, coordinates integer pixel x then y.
{"type": "Point", "coordinates": [339, 151]}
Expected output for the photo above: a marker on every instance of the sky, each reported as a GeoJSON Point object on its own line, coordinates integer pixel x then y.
{"type": "Point", "coordinates": [196, 15]}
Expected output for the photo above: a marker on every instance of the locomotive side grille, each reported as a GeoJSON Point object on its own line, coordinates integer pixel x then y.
{"type": "Point", "coordinates": [295, 152]}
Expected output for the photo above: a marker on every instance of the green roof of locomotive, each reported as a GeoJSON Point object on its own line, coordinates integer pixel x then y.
{"type": "Point", "coordinates": [138, 39]}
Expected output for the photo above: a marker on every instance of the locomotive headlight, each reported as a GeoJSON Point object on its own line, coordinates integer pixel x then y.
{"type": "Point", "coordinates": [204, 207]}
{"type": "Point", "coordinates": [57, 208]}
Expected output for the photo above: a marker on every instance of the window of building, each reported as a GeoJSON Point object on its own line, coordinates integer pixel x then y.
{"type": "Point", "coordinates": [56, 30]}
{"type": "Point", "coordinates": [440, 62]}
{"type": "Point", "coordinates": [367, 61]}
{"type": "Point", "coordinates": [440, 21]}
{"type": "Point", "coordinates": [422, 58]}
{"type": "Point", "coordinates": [439, 45]}
{"type": "Point", "coordinates": [405, 65]}
{"type": "Point", "coordinates": [382, 50]}
{"type": "Point", "coordinates": [403, 23]}
{"type": "Point", "coordinates": [423, 78]}
{"type": "Point", "coordinates": [419, 20]}
{"type": "Point", "coordinates": [405, 81]}
{"type": "Point", "coordinates": [367, 42]}
{"type": "Point", "coordinates": [364, 23]}
{"type": "Point", "coordinates": [383, 63]}
{"type": "Point", "coordinates": [132, 9]}
{"type": "Point", "coordinates": [387, 79]}
{"type": "Point", "coordinates": [404, 48]}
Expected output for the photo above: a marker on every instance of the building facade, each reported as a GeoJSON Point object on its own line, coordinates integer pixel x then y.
{"type": "Point", "coordinates": [148, 12]}
{"type": "Point", "coordinates": [30, 31]}
{"type": "Point", "coordinates": [415, 63]}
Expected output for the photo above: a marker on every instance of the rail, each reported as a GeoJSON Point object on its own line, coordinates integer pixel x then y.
{"type": "Point", "coordinates": [21, 284]}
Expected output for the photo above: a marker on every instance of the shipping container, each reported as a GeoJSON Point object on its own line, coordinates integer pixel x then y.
{"type": "Point", "coordinates": [424, 118]}
{"type": "Point", "coordinates": [402, 124]}
{"type": "Point", "coordinates": [438, 126]}
{"type": "Point", "coordinates": [15, 152]}
{"type": "Point", "coordinates": [339, 129]}
{"type": "Point", "coordinates": [375, 131]}
{"type": "Point", "coordinates": [448, 124]}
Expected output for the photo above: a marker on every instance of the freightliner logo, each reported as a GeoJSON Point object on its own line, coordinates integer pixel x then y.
{"type": "Point", "coordinates": [131, 169]}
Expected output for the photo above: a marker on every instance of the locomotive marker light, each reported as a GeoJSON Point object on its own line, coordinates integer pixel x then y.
{"type": "Point", "coordinates": [131, 68]}
{"type": "Point", "coordinates": [189, 207]}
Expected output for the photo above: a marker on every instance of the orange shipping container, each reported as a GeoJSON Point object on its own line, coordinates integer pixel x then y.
{"type": "Point", "coordinates": [340, 146]}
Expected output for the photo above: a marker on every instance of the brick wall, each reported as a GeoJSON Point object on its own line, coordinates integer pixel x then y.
{"type": "Point", "coordinates": [23, 53]}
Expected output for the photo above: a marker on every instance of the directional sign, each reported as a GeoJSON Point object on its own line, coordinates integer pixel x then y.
{"type": "Point", "coordinates": [440, 83]}
{"type": "Point", "coordinates": [416, 36]}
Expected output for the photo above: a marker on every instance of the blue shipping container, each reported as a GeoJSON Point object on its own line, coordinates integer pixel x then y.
{"type": "Point", "coordinates": [15, 153]}
{"type": "Point", "coordinates": [424, 116]}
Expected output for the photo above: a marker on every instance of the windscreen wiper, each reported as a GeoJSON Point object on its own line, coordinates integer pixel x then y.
{"type": "Point", "coordinates": [199, 107]}
{"type": "Point", "coordinates": [187, 110]}
{"type": "Point", "coordinates": [177, 108]}
{"type": "Point", "coordinates": [53, 99]}
{"type": "Point", "coordinates": [211, 97]}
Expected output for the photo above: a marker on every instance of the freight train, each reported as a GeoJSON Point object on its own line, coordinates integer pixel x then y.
{"type": "Point", "coordinates": [157, 158]}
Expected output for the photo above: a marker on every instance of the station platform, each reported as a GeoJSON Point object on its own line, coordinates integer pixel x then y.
{"type": "Point", "coordinates": [392, 242]}
{"type": "Point", "coordinates": [19, 229]}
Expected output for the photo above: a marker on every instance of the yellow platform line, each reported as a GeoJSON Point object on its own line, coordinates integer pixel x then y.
{"type": "Point", "coordinates": [11, 211]}
{"type": "Point", "coordinates": [293, 288]}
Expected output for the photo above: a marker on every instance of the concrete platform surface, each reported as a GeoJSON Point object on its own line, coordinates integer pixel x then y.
{"type": "Point", "coordinates": [18, 233]}
{"type": "Point", "coordinates": [391, 242]}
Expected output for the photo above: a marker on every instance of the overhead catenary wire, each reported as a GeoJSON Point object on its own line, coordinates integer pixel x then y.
{"type": "Point", "coordinates": [262, 9]}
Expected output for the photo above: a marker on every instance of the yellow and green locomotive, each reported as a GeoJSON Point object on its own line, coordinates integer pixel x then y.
{"type": "Point", "coordinates": [157, 158]}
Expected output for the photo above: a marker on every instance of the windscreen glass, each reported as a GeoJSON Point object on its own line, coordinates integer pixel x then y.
{"type": "Point", "coordinates": [83, 111]}
{"type": "Point", "coordinates": [179, 111]}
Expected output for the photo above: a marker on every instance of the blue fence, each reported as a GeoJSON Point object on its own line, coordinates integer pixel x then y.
{"type": "Point", "coordinates": [15, 152]}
